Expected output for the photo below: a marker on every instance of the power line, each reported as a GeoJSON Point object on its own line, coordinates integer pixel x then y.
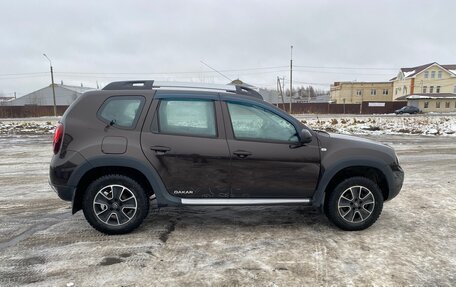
{"type": "Point", "coordinates": [347, 68]}
{"type": "Point", "coordinates": [23, 74]}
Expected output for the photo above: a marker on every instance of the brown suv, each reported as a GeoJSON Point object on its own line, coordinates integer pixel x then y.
{"type": "Point", "coordinates": [186, 144]}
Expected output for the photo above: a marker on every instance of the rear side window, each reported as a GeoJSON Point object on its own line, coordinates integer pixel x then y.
{"type": "Point", "coordinates": [123, 111]}
{"type": "Point", "coordinates": [187, 117]}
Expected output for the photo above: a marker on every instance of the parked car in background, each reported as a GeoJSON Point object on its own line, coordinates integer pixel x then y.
{"type": "Point", "coordinates": [190, 144]}
{"type": "Point", "coordinates": [407, 110]}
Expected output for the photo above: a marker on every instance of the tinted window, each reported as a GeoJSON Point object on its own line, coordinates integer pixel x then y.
{"type": "Point", "coordinates": [187, 117]}
{"type": "Point", "coordinates": [123, 110]}
{"type": "Point", "coordinates": [254, 123]}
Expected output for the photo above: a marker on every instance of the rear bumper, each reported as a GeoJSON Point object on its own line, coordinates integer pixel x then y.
{"type": "Point", "coordinates": [63, 191]}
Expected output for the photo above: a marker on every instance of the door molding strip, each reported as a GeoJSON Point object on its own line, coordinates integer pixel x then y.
{"type": "Point", "coordinates": [244, 201]}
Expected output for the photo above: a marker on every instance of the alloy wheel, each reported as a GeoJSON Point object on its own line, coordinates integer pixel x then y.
{"type": "Point", "coordinates": [115, 205]}
{"type": "Point", "coordinates": [356, 204]}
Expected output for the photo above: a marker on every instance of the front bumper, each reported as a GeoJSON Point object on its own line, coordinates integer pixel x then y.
{"type": "Point", "coordinates": [398, 180]}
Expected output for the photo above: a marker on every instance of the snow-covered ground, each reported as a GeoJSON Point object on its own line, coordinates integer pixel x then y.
{"type": "Point", "coordinates": [412, 243]}
{"type": "Point", "coordinates": [347, 124]}
{"type": "Point", "coordinates": [378, 124]}
{"type": "Point", "coordinates": [27, 127]}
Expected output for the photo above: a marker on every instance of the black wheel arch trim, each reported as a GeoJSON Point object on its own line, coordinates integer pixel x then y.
{"type": "Point", "coordinates": [329, 173]}
{"type": "Point", "coordinates": [154, 179]}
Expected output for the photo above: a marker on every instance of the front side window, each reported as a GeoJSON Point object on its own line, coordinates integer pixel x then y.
{"type": "Point", "coordinates": [424, 89]}
{"type": "Point", "coordinates": [426, 74]}
{"type": "Point", "coordinates": [121, 111]}
{"type": "Point", "coordinates": [431, 89]}
{"type": "Point", "coordinates": [439, 74]}
{"type": "Point", "coordinates": [187, 117]}
{"type": "Point", "coordinates": [255, 123]}
{"type": "Point", "coordinates": [359, 93]}
{"type": "Point", "coordinates": [437, 89]}
{"type": "Point", "coordinates": [437, 105]}
{"type": "Point", "coordinates": [426, 105]}
{"type": "Point", "coordinates": [385, 92]}
{"type": "Point", "coordinates": [447, 105]}
{"type": "Point", "coordinates": [432, 74]}
{"type": "Point", "coordinates": [373, 92]}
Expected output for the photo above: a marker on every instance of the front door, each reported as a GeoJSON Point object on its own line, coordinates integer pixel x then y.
{"type": "Point", "coordinates": [186, 144]}
{"type": "Point", "coordinates": [267, 162]}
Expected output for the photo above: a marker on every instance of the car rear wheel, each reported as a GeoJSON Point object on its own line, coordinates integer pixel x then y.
{"type": "Point", "coordinates": [355, 204]}
{"type": "Point", "coordinates": [115, 204]}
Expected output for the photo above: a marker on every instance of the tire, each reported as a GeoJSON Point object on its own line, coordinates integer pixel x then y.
{"type": "Point", "coordinates": [115, 204]}
{"type": "Point", "coordinates": [355, 204]}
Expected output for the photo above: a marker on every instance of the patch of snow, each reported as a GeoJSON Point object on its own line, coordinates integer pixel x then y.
{"type": "Point", "coordinates": [378, 125]}
{"type": "Point", "coordinates": [406, 74]}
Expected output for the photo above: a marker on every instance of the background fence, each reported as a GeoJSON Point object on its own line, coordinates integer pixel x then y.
{"type": "Point", "coordinates": [326, 108]}
{"type": "Point", "coordinates": [297, 108]}
{"type": "Point", "coordinates": [30, 111]}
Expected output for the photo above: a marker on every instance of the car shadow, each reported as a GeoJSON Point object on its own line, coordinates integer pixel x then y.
{"type": "Point", "coordinates": [236, 216]}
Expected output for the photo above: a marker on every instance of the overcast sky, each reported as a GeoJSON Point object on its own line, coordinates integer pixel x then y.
{"type": "Point", "coordinates": [90, 41]}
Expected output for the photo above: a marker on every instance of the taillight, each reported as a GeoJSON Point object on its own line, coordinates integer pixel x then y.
{"type": "Point", "coordinates": [58, 137]}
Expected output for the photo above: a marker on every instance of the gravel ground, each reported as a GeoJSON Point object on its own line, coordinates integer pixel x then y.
{"type": "Point", "coordinates": [413, 242]}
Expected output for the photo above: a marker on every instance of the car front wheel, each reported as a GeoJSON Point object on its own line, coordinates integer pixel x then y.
{"type": "Point", "coordinates": [355, 204]}
{"type": "Point", "coordinates": [115, 204]}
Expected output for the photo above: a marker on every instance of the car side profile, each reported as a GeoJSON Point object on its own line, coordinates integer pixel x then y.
{"type": "Point", "coordinates": [194, 145]}
{"type": "Point", "coordinates": [407, 110]}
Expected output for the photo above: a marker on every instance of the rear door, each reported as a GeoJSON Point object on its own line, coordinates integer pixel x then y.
{"type": "Point", "coordinates": [267, 162]}
{"type": "Point", "coordinates": [185, 141]}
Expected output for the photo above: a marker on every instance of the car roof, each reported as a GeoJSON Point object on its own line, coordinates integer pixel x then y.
{"type": "Point", "coordinates": [182, 86]}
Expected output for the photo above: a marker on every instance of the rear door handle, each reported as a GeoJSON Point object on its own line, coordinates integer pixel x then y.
{"type": "Point", "coordinates": [242, 153]}
{"type": "Point", "coordinates": [160, 150]}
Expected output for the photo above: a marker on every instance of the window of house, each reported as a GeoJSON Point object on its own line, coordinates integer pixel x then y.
{"type": "Point", "coordinates": [447, 105]}
{"type": "Point", "coordinates": [437, 105]}
{"type": "Point", "coordinates": [187, 117]}
{"type": "Point", "coordinates": [121, 111]}
{"type": "Point", "coordinates": [424, 89]}
{"type": "Point", "coordinates": [431, 89]}
{"type": "Point", "coordinates": [426, 105]}
{"type": "Point", "coordinates": [385, 92]}
{"type": "Point", "coordinates": [437, 89]}
{"type": "Point", "coordinates": [373, 92]}
{"type": "Point", "coordinates": [439, 74]}
{"type": "Point", "coordinates": [426, 74]}
{"type": "Point", "coordinates": [432, 74]}
{"type": "Point", "coordinates": [257, 124]}
{"type": "Point", "coordinates": [396, 90]}
{"type": "Point", "coordinates": [359, 93]}
{"type": "Point", "coordinates": [405, 90]}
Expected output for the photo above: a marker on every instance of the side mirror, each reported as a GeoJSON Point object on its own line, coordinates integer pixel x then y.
{"type": "Point", "coordinates": [305, 136]}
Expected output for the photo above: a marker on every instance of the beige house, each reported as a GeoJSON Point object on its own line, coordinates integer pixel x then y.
{"type": "Point", "coordinates": [431, 78]}
{"type": "Point", "coordinates": [357, 92]}
{"type": "Point", "coordinates": [439, 103]}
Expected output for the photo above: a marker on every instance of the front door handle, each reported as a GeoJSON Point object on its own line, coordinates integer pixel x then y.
{"type": "Point", "coordinates": [160, 150]}
{"type": "Point", "coordinates": [242, 153]}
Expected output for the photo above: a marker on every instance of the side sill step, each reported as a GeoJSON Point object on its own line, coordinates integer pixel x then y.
{"type": "Point", "coordinates": [246, 201]}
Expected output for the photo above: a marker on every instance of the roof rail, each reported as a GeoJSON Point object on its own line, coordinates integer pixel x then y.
{"type": "Point", "coordinates": [149, 84]}
{"type": "Point", "coordinates": [130, 85]}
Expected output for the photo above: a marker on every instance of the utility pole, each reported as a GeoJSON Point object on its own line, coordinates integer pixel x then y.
{"type": "Point", "coordinates": [291, 76]}
{"type": "Point", "coordinates": [280, 89]}
{"type": "Point", "coordinates": [53, 88]}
